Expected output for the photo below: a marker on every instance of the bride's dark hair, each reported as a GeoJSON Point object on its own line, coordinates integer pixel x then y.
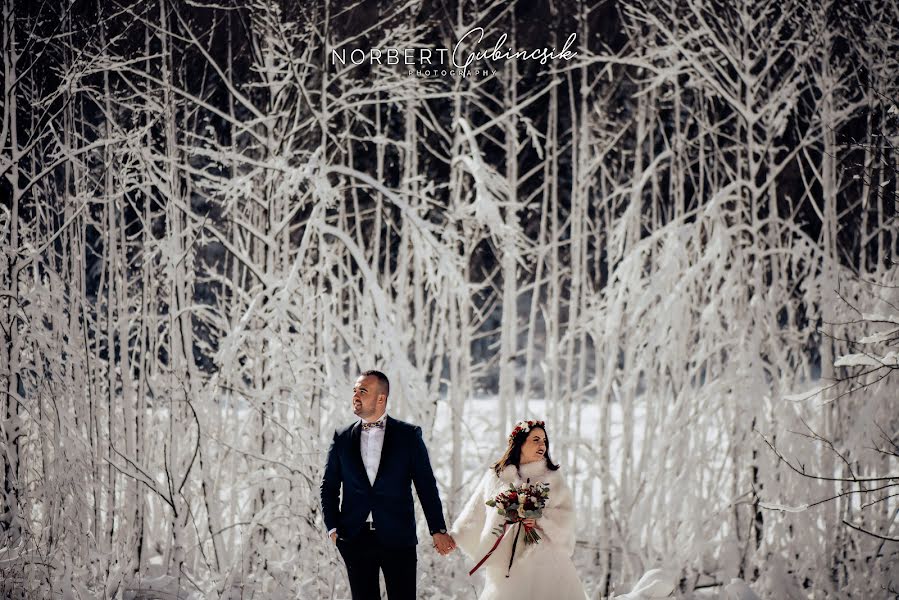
{"type": "Point", "coordinates": [512, 455]}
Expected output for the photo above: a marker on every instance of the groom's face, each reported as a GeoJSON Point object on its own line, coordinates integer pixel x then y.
{"type": "Point", "coordinates": [369, 402]}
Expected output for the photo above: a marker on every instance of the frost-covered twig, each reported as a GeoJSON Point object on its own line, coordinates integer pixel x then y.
{"type": "Point", "coordinates": [802, 471]}
{"type": "Point", "coordinates": [871, 533]}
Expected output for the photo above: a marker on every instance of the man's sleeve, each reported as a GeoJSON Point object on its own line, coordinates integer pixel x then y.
{"type": "Point", "coordinates": [330, 487]}
{"type": "Point", "coordinates": [426, 485]}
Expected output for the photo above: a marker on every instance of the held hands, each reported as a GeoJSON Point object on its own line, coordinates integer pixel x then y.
{"type": "Point", "coordinates": [334, 538]}
{"type": "Point", "coordinates": [529, 523]}
{"type": "Point", "coordinates": [444, 543]}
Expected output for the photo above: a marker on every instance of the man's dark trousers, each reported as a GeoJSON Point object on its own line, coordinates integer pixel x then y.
{"type": "Point", "coordinates": [364, 555]}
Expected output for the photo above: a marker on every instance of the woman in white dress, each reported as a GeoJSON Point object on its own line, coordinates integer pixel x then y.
{"type": "Point", "coordinates": [541, 570]}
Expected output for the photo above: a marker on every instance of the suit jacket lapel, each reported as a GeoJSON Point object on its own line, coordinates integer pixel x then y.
{"type": "Point", "coordinates": [356, 451]}
{"type": "Point", "coordinates": [389, 427]}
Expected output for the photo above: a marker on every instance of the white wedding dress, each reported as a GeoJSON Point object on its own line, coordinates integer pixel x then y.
{"type": "Point", "coordinates": [542, 570]}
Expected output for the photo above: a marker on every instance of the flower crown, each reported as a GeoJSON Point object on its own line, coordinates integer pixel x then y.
{"type": "Point", "coordinates": [525, 426]}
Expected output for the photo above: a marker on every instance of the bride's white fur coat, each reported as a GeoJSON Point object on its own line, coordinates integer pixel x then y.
{"type": "Point", "coordinates": [543, 570]}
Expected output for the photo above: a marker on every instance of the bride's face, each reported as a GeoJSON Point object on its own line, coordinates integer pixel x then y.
{"type": "Point", "coordinates": [534, 447]}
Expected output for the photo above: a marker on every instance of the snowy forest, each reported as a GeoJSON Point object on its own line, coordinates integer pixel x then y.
{"type": "Point", "coordinates": [679, 247]}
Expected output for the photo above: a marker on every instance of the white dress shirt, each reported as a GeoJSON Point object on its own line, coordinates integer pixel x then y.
{"type": "Point", "coordinates": [371, 444]}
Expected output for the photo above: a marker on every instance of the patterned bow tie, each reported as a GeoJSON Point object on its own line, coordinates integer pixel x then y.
{"type": "Point", "coordinates": [376, 424]}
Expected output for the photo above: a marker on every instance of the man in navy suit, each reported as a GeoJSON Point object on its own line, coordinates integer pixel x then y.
{"type": "Point", "coordinates": [376, 460]}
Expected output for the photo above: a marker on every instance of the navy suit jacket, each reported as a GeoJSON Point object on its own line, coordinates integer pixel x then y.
{"type": "Point", "coordinates": [404, 462]}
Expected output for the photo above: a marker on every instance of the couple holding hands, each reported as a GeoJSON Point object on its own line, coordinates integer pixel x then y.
{"type": "Point", "coordinates": [518, 525]}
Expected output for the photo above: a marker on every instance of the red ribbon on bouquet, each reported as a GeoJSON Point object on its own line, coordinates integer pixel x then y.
{"type": "Point", "coordinates": [498, 540]}
{"type": "Point", "coordinates": [486, 556]}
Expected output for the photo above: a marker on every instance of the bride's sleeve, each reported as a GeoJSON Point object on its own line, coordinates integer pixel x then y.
{"type": "Point", "coordinates": [558, 517]}
{"type": "Point", "coordinates": [467, 528]}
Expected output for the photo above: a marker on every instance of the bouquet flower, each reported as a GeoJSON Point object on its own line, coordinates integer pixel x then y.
{"type": "Point", "coordinates": [516, 504]}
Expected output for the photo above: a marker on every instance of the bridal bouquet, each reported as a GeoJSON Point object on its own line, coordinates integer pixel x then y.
{"type": "Point", "coordinates": [526, 501]}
